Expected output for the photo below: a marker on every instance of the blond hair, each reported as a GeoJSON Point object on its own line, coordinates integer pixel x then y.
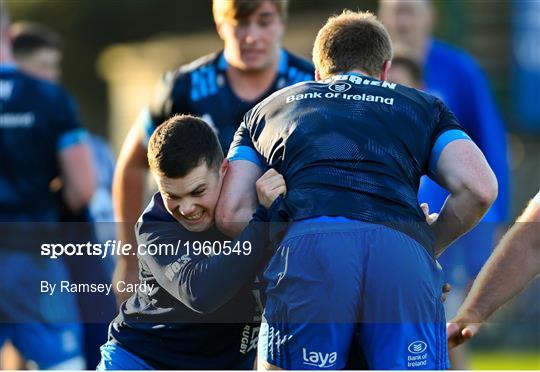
{"type": "Point", "coordinates": [224, 10]}
{"type": "Point", "coordinates": [349, 41]}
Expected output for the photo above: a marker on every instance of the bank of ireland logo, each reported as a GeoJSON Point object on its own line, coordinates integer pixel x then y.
{"type": "Point", "coordinates": [339, 87]}
{"type": "Point", "coordinates": [417, 347]}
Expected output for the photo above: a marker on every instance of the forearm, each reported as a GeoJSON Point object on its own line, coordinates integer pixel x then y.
{"type": "Point", "coordinates": [513, 264]}
{"type": "Point", "coordinates": [460, 213]}
{"type": "Point", "coordinates": [238, 198]}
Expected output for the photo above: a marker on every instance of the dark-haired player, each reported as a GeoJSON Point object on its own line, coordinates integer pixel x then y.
{"type": "Point", "coordinates": [194, 309]}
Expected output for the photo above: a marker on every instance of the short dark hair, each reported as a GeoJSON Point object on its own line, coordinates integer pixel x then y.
{"type": "Point", "coordinates": [241, 9]}
{"type": "Point", "coordinates": [351, 40]}
{"type": "Point", "coordinates": [181, 144]}
{"type": "Point", "coordinates": [27, 37]}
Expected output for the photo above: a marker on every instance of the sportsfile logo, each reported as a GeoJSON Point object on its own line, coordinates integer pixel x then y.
{"type": "Point", "coordinates": [318, 359]}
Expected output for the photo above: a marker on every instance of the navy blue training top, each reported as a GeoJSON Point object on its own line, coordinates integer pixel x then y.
{"type": "Point", "coordinates": [203, 312]}
{"type": "Point", "coordinates": [201, 88]}
{"type": "Point", "coordinates": [38, 120]}
{"type": "Point", "coordinates": [350, 146]}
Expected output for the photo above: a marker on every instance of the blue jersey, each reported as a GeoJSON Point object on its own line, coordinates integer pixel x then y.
{"type": "Point", "coordinates": [194, 311]}
{"type": "Point", "coordinates": [350, 146]}
{"type": "Point", "coordinates": [38, 120]}
{"type": "Point", "coordinates": [456, 79]}
{"type": "Point", "coordinates": [201, 88]}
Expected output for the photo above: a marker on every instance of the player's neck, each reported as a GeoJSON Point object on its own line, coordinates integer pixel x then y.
{"type": "Point", "coordinates": [250, 85]}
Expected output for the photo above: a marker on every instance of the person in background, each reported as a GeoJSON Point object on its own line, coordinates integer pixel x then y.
{"type": "Point", "coordinates": [220, 88]}
{"type": "Point", "coordinates": [454, 76]}
{"type": "Point", "coordinates": [38, 51]}
{"type": "Point", "coordinates": [41, 138]}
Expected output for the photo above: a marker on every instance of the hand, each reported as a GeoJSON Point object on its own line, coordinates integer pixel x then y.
{"type": "Point", "coordinates": [269, 186]}
{"type": "Point", "coordinates": [460, 329]}
{"type": "Point", "coordinates": [430, 218]}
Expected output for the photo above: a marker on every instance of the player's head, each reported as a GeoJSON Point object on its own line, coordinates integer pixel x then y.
{"type": "Point", "coordinates": [352, 41]}
{"type": "Point", "coordinates": [408, 22]}
{"type": "Point", "coordinates": [37, 50]}
{"type": "Point", "coordinates": [187, 162]}
{"type": "Point", "coordinates": [405, 71]}
{"type": "Point", "coordinates": [252, 31]}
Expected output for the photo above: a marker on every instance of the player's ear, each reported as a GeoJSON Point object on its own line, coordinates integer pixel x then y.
{"type": "Point", "coordinates": [224, 167]}
{"type": "Point", "coordinates": [317, 75]}
{"type": "Point", "coordinates": [385, 69]}
{"type": "Point", "coordinates": [219, 29]}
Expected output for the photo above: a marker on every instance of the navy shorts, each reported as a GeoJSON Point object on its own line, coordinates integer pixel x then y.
{"type": "Point", "coordinates": [341, 289]}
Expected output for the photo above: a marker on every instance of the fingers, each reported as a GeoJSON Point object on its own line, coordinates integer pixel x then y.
{"type": "Point", "coordinates": [458, 333]}
{"type": "Point", "coordinates": [425, 209]}
{"type": "Point", "coordinates": [269, 186]}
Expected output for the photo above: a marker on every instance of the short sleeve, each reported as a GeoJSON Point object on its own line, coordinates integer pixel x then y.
{"type": "Point", "coordinates": [69, 129]}
{"type": "Point", "coordinates": [242, 147]}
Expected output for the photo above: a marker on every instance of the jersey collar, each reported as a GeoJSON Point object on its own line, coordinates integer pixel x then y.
{"type": "Point", "coordinates": [282, 65]}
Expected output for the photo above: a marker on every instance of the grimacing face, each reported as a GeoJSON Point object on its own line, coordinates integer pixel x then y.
{"type": "Point", "coordinates": [253, 44]}
{"type": "Point", "coordinates": [192, 199]}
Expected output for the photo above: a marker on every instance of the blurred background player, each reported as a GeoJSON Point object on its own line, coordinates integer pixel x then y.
{"type": "Point", "coordinates": [38, 51]}
{"type": "Point", "coordinates": [512, 265]}
{"type": "Point", "coordinates": [454, 77]}
{"type": "Point", "coordinates": [41, 139]}
{"type": "Point", "coordinates": [219, 87]}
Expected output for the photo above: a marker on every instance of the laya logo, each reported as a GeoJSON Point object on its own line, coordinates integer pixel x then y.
{"type": "Point", "coordinates": [417, 347]}
{"type": "Point", "coordinates": [317, 359]}
{"type": "Point", "coordinates": [339, 87]}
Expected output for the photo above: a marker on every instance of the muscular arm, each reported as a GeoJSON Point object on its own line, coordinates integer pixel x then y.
{"type": "Point", "coordinates": [238, 198]}
{"type": "Point", "coordinates": [464, 172]}
{"type": "Point", "coordinates": [128, 189]}
{"type": "Point", "coordinates": [513, 264]}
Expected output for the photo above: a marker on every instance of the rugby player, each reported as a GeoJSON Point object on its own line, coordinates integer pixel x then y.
{"type": "Point", "coordinates": [38, 51]}
{"type": "Point", "coordinates": [357, 264]}
{"type": "Point", "coordinates": [200, 311]}
{"type": "Point", "coordinates": [41, 138]}
{"type": "Point", "coordinates": [220, 88]}
{"type": "Point", "coordinates": [513, 264]}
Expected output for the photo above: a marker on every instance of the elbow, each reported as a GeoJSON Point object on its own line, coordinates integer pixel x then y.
{"type": "Point", "coordinates": [202, 305]}
{"type": "Point", "coordinates": [485, 194]}
{"type": "Point", "coordinates": [78, 197]}
{"type": "Point", "coordinates": [228, 219]}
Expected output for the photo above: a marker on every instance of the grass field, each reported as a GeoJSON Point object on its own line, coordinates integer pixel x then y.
{"type": "Point", "coordinates": [505, 360]}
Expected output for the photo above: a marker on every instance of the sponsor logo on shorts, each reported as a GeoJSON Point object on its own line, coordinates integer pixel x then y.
{"type": "Point", "coordinates": [417, 347]}
{"type": "Point", "coordinates": [318, 359]}
{"type": "Point", "coordinates": [418, 357]}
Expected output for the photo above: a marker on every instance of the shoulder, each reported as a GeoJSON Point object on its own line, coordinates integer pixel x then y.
{"type": "Point", "coordinates": [155, 211]}
{"type": "Point", "coordinates": [182, 73]}
{"type": "Point", "coordinates": [298, 62]}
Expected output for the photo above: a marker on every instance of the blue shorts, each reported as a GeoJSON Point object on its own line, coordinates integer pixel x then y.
{"type": "Point", "coordinates": [114, 357]}
{"type": "Point", "coordinates": [45, 329]}
{"type": "Point", "coordinates": [340, 288]}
